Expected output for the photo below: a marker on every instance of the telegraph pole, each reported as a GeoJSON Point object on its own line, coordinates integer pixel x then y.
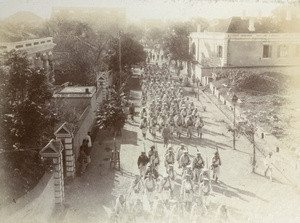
{"type": "Point", "coordinates": [120, 62]}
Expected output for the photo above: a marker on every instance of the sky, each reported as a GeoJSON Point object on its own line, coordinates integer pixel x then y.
{"type": "Point", "coordinates": [150, 9]}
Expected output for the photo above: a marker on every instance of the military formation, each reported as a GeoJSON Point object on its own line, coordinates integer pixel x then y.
{"type": "Point", "coordinates": [169, 195]}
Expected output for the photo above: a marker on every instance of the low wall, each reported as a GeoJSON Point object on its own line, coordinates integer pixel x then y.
{"type": "Point", "coordinates": [86, 122]}
{"type": "Point", "coordinates": [36, 206]}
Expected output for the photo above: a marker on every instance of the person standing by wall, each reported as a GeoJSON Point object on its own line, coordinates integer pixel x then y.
{"type": "Point", "coordinates": [269, 162]}
{"type": "Point", "coordinates": [83, 160]}
{"type": "Point", "coordinates": [86, 150]}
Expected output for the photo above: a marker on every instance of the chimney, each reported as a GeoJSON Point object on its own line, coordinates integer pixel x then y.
{"type": "Point", "coordinates": [87, 91]}
{"type": "Point", "coordinates": [244, 14]}
{"type": "Point", "coordinates": [198, 28]}
{"type": "Point", "coordinates": [288, 15]}
{"type": "Point", "coordinates": [251, 27]}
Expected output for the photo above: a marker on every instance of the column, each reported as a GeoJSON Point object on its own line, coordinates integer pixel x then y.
{"type": "Point", "coordinates": [59, 190]}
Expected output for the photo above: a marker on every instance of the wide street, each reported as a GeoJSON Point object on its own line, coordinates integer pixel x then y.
{"type": "Point", "coordinates": [249, 197]}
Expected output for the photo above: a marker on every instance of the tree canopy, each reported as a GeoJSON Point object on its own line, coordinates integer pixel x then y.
{"type": "Point", "coordinates": [79, 50]}
{"type": "Point", "coordinates": [132, 52]}
{"type": "Point", "coordinates": [25, 116]}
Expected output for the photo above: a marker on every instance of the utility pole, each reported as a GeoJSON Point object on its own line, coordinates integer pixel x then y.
{"type": "Point", "coordinates": [120, 62]}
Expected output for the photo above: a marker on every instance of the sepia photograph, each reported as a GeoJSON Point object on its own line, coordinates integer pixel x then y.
{"type": "Point", "coordinates": [150, 111]}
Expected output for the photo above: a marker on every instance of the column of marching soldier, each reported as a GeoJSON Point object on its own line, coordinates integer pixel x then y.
{"type": "Point", "coordinates": [168, 112]}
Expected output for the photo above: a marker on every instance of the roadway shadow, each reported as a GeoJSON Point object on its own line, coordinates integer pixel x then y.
{"type": "Point", "coordinates": [133, 123]}
{"type": "Point", "coordinates": [204, 142]}
{"type": "Point", "coordinates": [205, 131]}
{"type": "Point", "coordinates": [217, 188]}
{"type": "Point", "coordinates": [243, 192]}
{"type": "Point", "coordinates": [134, 84]}
{"type": "Point", "coordinates": [129, 137]}
{"type": "Point", "coordinates": [126, 173]}
{"type": "Point", "coordinates": [209, 123]}
{"type": "Point", "coordinates": [274, 180]}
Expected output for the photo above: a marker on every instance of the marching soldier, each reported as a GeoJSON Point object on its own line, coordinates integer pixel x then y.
{"type": "Point", "coordinates": [215, 166]}
{"type": "Point", "coordinates": [198, 164]}
{"type": "Point", "coordinates": [178, 124]}
{"type": "Point", "coordinates": [136, 189]}
{"type": "Point", "coordinates": [169, 158]}
{"type": "Point", "coordinates": [188, 171]}
{"type": "Point", "coordinates": [166, 188]}
{"type": "Point", "coordinates": [204, 193]}
{"type": "Point", "coordinates": [204, 174]}
{"type": "Point", "coordinates": [199, 126]}
{"type": "Point", "coordinates": [121, 207]}
{"type": "Point", "coordinates": [143, 127]}
{"type": "Point", "coordinates": [150, 185]}
{"type": "Point", "coordinates": [180, 152]}
{"type": "Point", "coordinates": [186, 192]}
{"type": "Point", "coordinates": [189, 125]}
{"type": "Point", "coordinates": [142, 162]}
{"type": "Point", "coordinates": [166, 135]}
{"type": "Point", "coordinates": [184, 161]}
{"type": "Point", "coordinates": [154, 160]}
{"type": "Point", "coordinates": [170, 171]}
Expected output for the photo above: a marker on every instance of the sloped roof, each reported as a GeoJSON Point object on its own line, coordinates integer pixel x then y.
{"type": "Point", "coordinates": [263, 25]}
{"type": "Point", "coordinates": [24, 16]}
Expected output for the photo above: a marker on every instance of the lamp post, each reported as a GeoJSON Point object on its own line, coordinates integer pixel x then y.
{"type": "Point", "coordinates": [234, 101]}
{"type": "Point", "coordinates": [252, 132]}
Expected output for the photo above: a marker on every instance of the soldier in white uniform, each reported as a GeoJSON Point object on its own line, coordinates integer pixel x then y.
{"type": "Point", "coordinates": [136, 189]}
{"type": "Point", "coordinates": [166, 188]}
{"type": "Point", "coordinates": [150, 185]}
{"type": "Point", "coordinates": [187, 191]}
{"type": "Point", "coordinates": [205, 190]}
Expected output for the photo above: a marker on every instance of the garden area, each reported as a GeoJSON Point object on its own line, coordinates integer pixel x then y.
{"type": "Point", "coordinates": [268, 99]}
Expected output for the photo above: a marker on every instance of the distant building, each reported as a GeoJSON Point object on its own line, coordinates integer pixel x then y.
{"type": "Point", "coordinates": [40, 52]}
{"type": "Point", "coordinates": [113, 19]}
{"type": "Point", "coordinates": [21, 32]}
{"type": "Point", "coordinates": [245, 44]}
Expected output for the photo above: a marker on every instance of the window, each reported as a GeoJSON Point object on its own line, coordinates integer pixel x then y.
{"type": "Point", "coordinates": [220, 51]}
{"type": "Point", "coordinates": [267, 51]}
{"type": "Point", "coordinates": [28, 44]}
{"type": "Point", "coordinates": [282, 51]}
{"type": "Point", "coordinates": [19, 46]}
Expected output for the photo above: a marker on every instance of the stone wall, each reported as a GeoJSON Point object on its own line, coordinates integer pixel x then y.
{"type": "Point", "coordinates": [34, 206]}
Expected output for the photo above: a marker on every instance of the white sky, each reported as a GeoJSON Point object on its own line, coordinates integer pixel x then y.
{"type": "Point", "coordinates": [137, 9]}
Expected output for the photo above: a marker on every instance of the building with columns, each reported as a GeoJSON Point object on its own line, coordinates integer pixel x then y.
{"type": "Point", "coordinates": [40, 52]}
{"type": "Point", "coordinates": [245, 43]}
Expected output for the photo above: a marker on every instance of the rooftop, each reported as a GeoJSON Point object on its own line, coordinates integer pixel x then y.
{"type": "Point", "coordinates": [76, 91]}
{"type": "Point", "coordinates": [262, 25]}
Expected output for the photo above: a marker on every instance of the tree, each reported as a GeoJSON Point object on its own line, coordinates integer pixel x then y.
{"type": "Point", "coordinates": [25, 115]}
{"type": "Point", "coordinates": [132, 52]}
{"type": "Point", "coordinates": [112, 113]}
{"type": "Point", "coordinates": [176, 44]}
{"type": "Point", "coordinates": [79, 50]}
{"type": "Point", "coordinates": [154, 36]}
